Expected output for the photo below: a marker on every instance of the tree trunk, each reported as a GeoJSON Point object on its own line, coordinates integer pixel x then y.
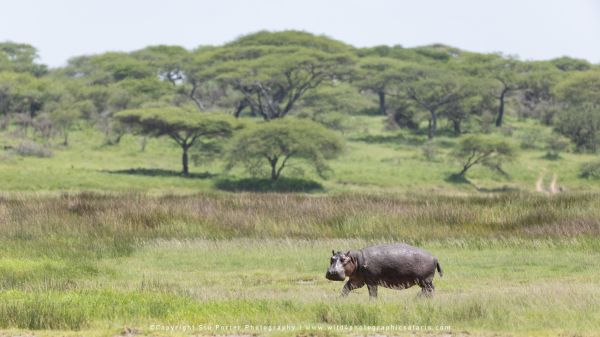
{"type": "Point", "coordinates": [66, 139]}
{"type": "Point", "coordinates": [192, 96]}
{"type": "Point", "coordinates": [239, 108]}
{"type": "Point", "coordinates": [274, 173]}
{"type": "Point", "coordinates": [143, 144]}
{"type": "Point", "coordinates": [464, 171]}
{"type": "Point", "coordinates": [382, 109]}
{"type": "Point", "coordinates": [31, 108]}
{"type": "Point", "coordinates": [432, 125]}
{"type": "Point", "coordinates": [118, 139]}
{"type": "Point", "coordinates": [501, 108]}
{"type": "Point", "coordinates": [456, 125]}
{"type": "Point", "coordinates": [184, 161]}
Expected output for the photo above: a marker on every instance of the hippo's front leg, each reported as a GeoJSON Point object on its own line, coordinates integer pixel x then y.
{"type": "Point", "coordinates": [372, 290]}
{"type": "Point", "coordinates": [351, 285]}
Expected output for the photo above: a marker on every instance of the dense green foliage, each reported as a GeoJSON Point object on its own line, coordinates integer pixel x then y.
{"type": "Point", "coordinates": [276, 142]}
{"type": "Point", "coordinates": [590, 170]}
{"type": "Point", "coordinates": [433, 90]}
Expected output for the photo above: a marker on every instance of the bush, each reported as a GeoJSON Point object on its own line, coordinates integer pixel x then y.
{"type": "Point", "coordinates": [482, 150]}
{"type": "Point", "coordinates": [532, 138]}
{"type": "Point", "coordinates": [430, 151]}
{"type": "Point", "coordinates": [555, 144]}
{"type": "Point", "coordinates": [581, 124]}
{"type": "Point", "coordinates": [268, 185]}
{"type": "Point", "coordinates": [32, 149]}
{"type": "Point", "coordinates": [507, 130]}
{"type": "Point", "coordinates": [487, 122]}
{"type": "Point", "coordinates": [332, 120]}
{"type": "Point", "coordinates": [590, 170]}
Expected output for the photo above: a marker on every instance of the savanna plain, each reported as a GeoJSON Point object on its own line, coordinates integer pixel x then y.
{"type": "Point", "coordinates": [98, 264]}
{"type": "Point", "coordinates": [142, 254]}
{"type": "Point", "coordinates": [175, 192]}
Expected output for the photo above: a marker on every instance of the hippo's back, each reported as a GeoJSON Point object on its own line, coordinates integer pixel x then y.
{"type": "Point", "coordinates": [398, 260]}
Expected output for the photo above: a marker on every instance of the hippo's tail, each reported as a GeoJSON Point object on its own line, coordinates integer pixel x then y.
{"type": "Point", "coordinates": [439, 268]}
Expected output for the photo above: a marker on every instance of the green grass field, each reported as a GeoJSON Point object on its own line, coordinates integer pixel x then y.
{"type": "Point", "coordinates": [104, 240]}
{"type": "Point", "coordinates": [375, 160]}
{"type": "Point", "coordinates": [93, 264]}
{"type": "Point", "coordinates": [507, 290]}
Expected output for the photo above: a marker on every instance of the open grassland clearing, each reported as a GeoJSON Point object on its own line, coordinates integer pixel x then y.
{"type": "Point", "coordinates": [374, 160]}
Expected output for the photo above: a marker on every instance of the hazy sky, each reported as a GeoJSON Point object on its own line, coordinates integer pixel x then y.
{"type": "Point", "coordinates": [532, 29]}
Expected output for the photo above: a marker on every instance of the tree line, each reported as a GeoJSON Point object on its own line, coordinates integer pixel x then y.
{"type": "Point", "coordinates": [194, 96]}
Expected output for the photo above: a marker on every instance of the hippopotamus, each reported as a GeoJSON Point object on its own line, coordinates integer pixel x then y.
{"type": "Point", "coordinates": [395, 266]}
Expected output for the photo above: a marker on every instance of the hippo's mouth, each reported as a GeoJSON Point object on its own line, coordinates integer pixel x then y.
{"type": "Point", "coordinates": [334, 277]}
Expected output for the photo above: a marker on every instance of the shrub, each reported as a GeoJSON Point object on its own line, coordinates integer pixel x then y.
{"type": "Point", "coordinates": [32, 149]}
{"type": "Point", "coordinates": [581, 124]}
{"type": "Point", "coordinates": [555, 144]}
{"type": "Point", "coordinates": [532, 138]}
{"type": "Point", "coordinates": [487, 122]}
{"type": "Point", "coordinates": [479, 150]}
{"type": "Point", "coordinates": [430, 151]}
{"type": "Point", "coordinates": [590, 170]}
{"type": "Point", "coordinates": [268, 185]}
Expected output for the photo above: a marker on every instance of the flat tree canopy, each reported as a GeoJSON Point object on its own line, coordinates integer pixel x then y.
{"type": "Point", "coordinates": [276, 142]}
{"type": "Point", "coordinates": [376, 74]}
{"type": "Point", "coordinates": [273, 77]}
{"type": "Point", "coordinates": [185, 127]}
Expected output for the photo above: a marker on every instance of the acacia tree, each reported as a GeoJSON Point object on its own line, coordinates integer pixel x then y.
{"type": "Point", "coordinates": [270, 74]}
{"type": "Point", "coordinates": [568, 64]}
{"type": "Point", "coordinates": [377, 74]}
{"type": "Point", "coordinates": [537, 95]}
{"type": "Point", "coordinates": [23, 93]}
{"type": "Point", "coordinates": [276, 142]}
{"type": "Point", "coordinates": [184, 127]}
{"type": "Point", "coordinates": [431, 89]}
{"type": "Point", "coordinates": [478, 150]}
{"type": "Point", "coordinates": [272, 83]}
{"type": "Point", "coordinates": [580, 88]}
{"type": "Point", "coordinates": [506, 75]}
{"type": "Point", "coordinates": [20, 57]}
{"type": "Point", "coordinates": [331, 105]}
{"type": "Point", "coordinates": [175, 65]}
{"type": "Point", "coordinates": [579, 115]}
{"type": "Point", "coordinates": [458, 111]}
{"type": "Point", "coordinates": [167, 61]}
{"type": "Point", "coordinates": [108, 68]}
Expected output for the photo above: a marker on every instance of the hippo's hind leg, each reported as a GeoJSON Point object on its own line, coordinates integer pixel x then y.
{"type": "Point", "coordinates": [427, 288]}
{"type": "Point", "coordinates": [351, 285]}
{"type": "Point", "coordinates": [372, 290]}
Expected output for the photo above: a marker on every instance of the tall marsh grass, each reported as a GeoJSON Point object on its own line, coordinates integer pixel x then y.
{"type": "Point", "coordinates": [113, 223]}
{"type": "Point", "coordinates": [513, 263]}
